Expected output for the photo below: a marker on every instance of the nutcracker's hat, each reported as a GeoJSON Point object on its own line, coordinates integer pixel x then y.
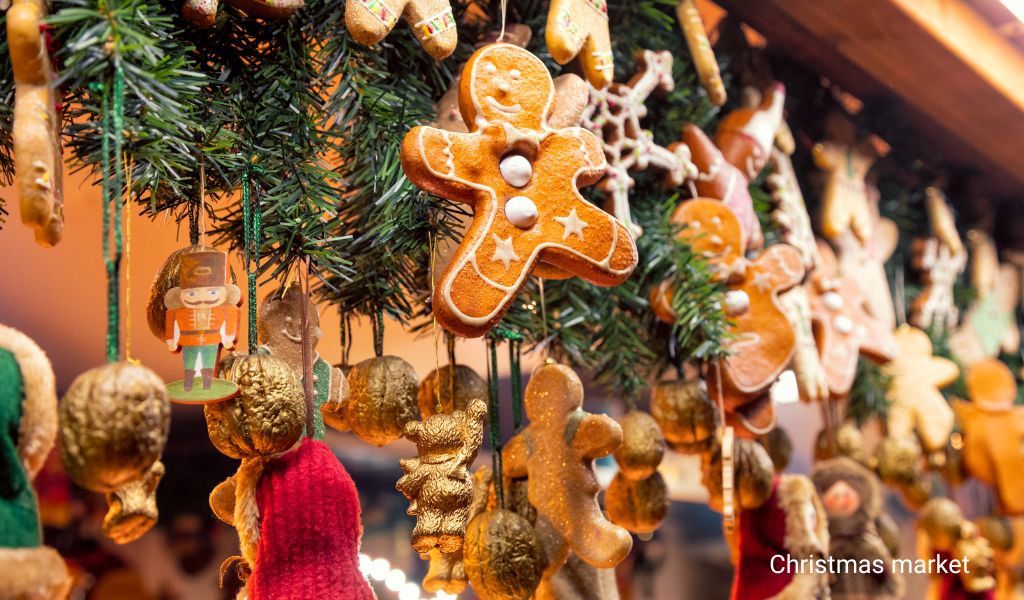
{"type": "Point", "coordinates": [203, 269]}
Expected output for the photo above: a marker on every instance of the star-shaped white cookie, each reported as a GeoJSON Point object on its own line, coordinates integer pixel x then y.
{"type": "Point", "coordinates": [503, 250]}
{"type": "Point", "coordinates": [573, 225]}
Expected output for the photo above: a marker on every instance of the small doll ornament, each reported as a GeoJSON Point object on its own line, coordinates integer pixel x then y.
{"type": "Point", "coordinates": [916, 404]}
{"type": "Point", "coordinates": [432, 22]}
{"type": "Point", "coordinates": [993, 432]}
{"type": "Point", "coordinates": [557, 452]}
{"type": "Point", "coordinates": [990, 325]}
{"type": "Point", "coordinates": [38, 164]}
{"type": "Point", "coordinates": [28, 420]}
{"type": "Point", "coordinates": [521, 177]}
{"type": "Point", "coordinates": [450, 388]}
{"type": "Point", "coordinates": [637, 498]}
{"type": "Point", "coordinates": [941, 258]}
{"type": "Point", "coordinates": [168, 277]}
{"type": "Point", "coordinates": [943, 532]}
{"type": "Point", "coordinates": [114, 422]}
{"type": "Point", "coordinates": [686, 415]}
{"type": "Point", "coordinates": [741, 148]}
{"type": "Point", "coordinates": [299, 537]}
{"type": "Point", "coordinates": [202, 315]}
{"type": "Point", "coordinates": [853, 502]}
{"type": "Point", "coordinates": [437, 482]}
{"type": "Point", "coordinates": [203, 13]}
{"type": "Point", "coordinates": [579, 28]}
{"type": "Point", "coordinates": [614, 115]}
{"type": "Point", "coordinates": [700, 51]}
{"type": "Point", "coordinates": [382, 399]}
{"type": "Point", "coordinates": [281, 334]}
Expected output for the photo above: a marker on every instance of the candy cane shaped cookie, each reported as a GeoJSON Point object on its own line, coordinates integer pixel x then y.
{"type": "Point", "coordinates": [520, 176]}
{"type": "Point", "coordinates": [580, 28]}
{"type": "Point", "coordinates": [432, 22]}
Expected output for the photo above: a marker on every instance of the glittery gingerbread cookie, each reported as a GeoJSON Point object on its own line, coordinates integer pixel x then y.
{"type": "Point", "coordinates": [520, 176]}
{"type": "Point", "coordinates": [432, 22]}
{"type": "Point", "coordinates": [941, 258]}
{"type": "Point", "coordinates": [37, 124]}
{"type": "Point", "coordinates": [614, 117]}
{"type": "Point", "coordinates": [842, 328]}
{"type": "Point", "coordinates": [203, 13]}
{"type": "Point", "coordinates": [580, 28]}
{"type": "Point", "coordinates": [741, 149]}
{"type": "Point", "coordinates": [557, 452]}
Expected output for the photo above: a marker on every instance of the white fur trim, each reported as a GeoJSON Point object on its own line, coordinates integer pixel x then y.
{"type": "Point", "coordinates": [38, 426]}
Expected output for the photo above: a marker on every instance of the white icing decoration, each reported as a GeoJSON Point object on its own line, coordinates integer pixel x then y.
{"type": "Point", "coordinates": [737, 302]}
{"type": "Point", "coordinates": [503, 250]}
{"type": "Point", "coordinates": [832, 301]}
{"type": "Point", "coordinates": [516, 170]}
{"type": "Point", "coordinates": [514, 74]}
{"type": "Point", "coordinates": [572, 224]}
{"type": "Point", "coordinates": [509, 109]}
{"type": "Point", "coordinates": [762, 281]}
{"type": "Point", "coordinates": [490, 67]}
{"type": "Point", "coordinates": [521, 212]}
{"type": "Point", "coordinates": [843, 324]}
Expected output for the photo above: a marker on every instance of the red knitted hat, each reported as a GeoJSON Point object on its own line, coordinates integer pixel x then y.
{"type": "Point", "coordinates": [309, 530]}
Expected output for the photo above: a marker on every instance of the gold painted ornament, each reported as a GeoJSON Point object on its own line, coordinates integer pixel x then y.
{"type": "Point", "coordinates": [502, 556]}
{"type": "Point", "coordinates": [752, 476]}
{"type": "Point", "coordinates": [778, 446]}
{"type": "Point", "coordinates": [451, 388]}
{"type": "Point", "coordinates": [943, 530]}
{"type": "Point", "coordinates": [687, 416]}
{"type": "Point", "coordinates": [382, 399]}
{"type": "Point", "coordinates": [1006, 537]}
{"type": "Point", "coordinates": [848, 442]}
{"type": "Point", "coordinates": [114, 421]}
{"type": "Point", "coordinates": [437, 482]}
{"type": "Point", "coordinates": [637, 498]}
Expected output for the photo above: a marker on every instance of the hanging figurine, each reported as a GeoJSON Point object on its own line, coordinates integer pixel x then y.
{"type": "Point", "coordinates": [28, 426]}
{"type": "Point", "coordinates": [700, 51]}
{"type": "Point", "coordinates": [432, 22]}
{"type": "Point", "coordinates": [943, 532]}
{"type": "Point", "coordinates": [202, 316]}
{"type": "Point", "coordinates": [579, 28]}
{"type": "Point", "coordinates": [990, 325]}
{"type": "Point", "coordinates": [38, 164]}
{"type": "Point", "coordinates": [614, 115]}
{"type": "Point", "coordinates": [382, 399]}
{"type": "Point", "coordinates": [509, 157]}
{"type": "Point", "coordinates": [941, 258]}
{"type": "Point", "coordinates": [637, 498]}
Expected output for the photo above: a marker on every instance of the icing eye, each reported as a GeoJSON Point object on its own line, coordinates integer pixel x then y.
{"type": "Point", "coordinates": [514, 74]}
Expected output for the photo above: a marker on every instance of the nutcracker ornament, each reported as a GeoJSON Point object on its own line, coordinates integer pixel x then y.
{"type": "Point", "coordinates": [202, 315]}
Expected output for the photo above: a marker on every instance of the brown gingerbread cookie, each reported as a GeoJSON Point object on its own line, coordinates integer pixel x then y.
{"type": "Point", "coordinates": [432, 22]}
{"type": "Point", "coordinates": [520, 175]}
{"type": "Point", "coordinates": [579, 28]}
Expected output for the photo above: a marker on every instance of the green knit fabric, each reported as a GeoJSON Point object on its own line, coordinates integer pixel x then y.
{"type": "Point", "coordinates": [322, 374]}
{"type": "Point", "coordinates": [19, 517]}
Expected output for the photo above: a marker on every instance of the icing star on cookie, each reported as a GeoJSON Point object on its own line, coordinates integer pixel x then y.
{"type": "Point", "coordinates": [521, 176]}
{"type": "Point", "coordinates": [580, 28]}
{"type": "Point", "coordinates": [432, 22]}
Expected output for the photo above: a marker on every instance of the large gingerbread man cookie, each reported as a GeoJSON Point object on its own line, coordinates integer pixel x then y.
{"type": "Point", "coordinates": [432, 22]}
{"type": "Point", "coordinates": [846, 160]}
{"type": "Point", "coordinates": [915, 403]}
{"type": "Point", "coordinates": [557, 452]}
{"type": "Point", "coordinates": [580, 28]}
{"type": "Point", "coordinates": [37, 125]}
{"type": "Point", "coordinates": [520, 176]}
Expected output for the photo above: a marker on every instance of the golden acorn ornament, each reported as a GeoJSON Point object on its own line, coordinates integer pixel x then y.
{"type": "Point", "coordinates": [502, 556]}
{"type": "Point", "coordinates": [114, 421]}
{"type": "Point", "coordinates": [382, 399]}
{"type": "Point", "coordinates": [450, 387]}
{"type": "Point", "coordinates": [637, 498]}
{"type": "Point", "coordinates": [687, 416]}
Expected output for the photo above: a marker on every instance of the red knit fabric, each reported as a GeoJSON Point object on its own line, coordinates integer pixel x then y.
{"type": "Point", "coordinates": [309, 530]}
{"type": "Point", "coordinates": [761, 535]}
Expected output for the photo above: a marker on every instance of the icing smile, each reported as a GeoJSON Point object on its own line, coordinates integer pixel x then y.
{"type": "Point", "coordinates": [508, 109]}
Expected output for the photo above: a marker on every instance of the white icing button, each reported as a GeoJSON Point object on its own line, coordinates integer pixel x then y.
{"type": "Point", "coordinates": [521, 212]}
{"type": "Point", "coordinates": [516, 170]}
{"type": "Point", "coordinates": [737, 302]}
{"type": "Point", "coordinates": [832, 300]}
{"type": "Point", "coordinates": [843, 324]}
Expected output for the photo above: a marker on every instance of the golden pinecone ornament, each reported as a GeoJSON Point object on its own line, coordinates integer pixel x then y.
{"type": "Point", "coordinates": [502, 556]}
{"type": "Point", "coordinates": [382, 398]}
{"type": "Point", "coordinates": [687, 416]}
{"type": "Point", "coordinates": [114, 421]}
{"type": "Point", "coordinates": [266, 417]}
{"type": "Point", "coordinates": [436, 389]}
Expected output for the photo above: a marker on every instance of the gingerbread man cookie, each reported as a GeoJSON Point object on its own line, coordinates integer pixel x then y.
{"type": "Point", "coordinates": [432, 22]}
{"type": "Point", "coordinates": [741, 148]}
{"type": "Point", "coordinates": [843, 329]}
{"type": "Point", "coordinates": [203, 13]}
{"type": "Point", "coordinates": [915, 402]}
{"type": "Point", "coordinates": [521, 176]}
{"type": "Point", "coordinates": [557, 452]}
{"type": "Point", "coordinates": [990, 326]}
{"type": "Point", "coordinates": [993, 429]}
{"type": "Point", "coordinates": [941, 258]}
{"type": "Point", "coordinates": [700, 51]}
{"type": "Point", "coordinates": [614, 117]}
{"type": "Point", "coordinates": [580, 28]}
{"type": "Point", "coordinates": [38, 164]}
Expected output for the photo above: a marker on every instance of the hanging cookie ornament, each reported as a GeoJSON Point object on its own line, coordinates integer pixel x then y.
{"type": "Point", "coordinates": [281, 335]}
{"type": "Point", "coordinates": [993, 433]}
{"type": "Point", "coordinates": [941, 258]}
{"type": "Point", "coordinates": [38, 164]}
{"type": "Point", "coordinates": [203, 13]}
{"type": "Point", "coordinates": [637, 498]}
{"type": "Point", "coordinates": [432, 22]}
{"type": "Point", "coordinates": [28, 422]}
{"type": "Point", "coordinates": [450, 388]}
{"type": "Point", "coordinates": [701, 53]}
{"type": "Point", "coordinates": [270, 500]}
{"type": "Point", "coordinates": [846, 159]}
{"type": "Point", "coordinates": [201, 316]}
{"type": "Point", "coordinates": [990, 325]}
{"type": "Point", "coordinates": [114, 422]}
{"type": "Point", "coordinates": [945, 533]}
{"type": "Point", "coordinates": [852, 500]}
{"type": "Point", "coordinates": [579, 29]}
{"type": "Point", "coordinates": [686, 415]}
{"type": "Point", "coordinates": [916, 406]}
{"type": "Point", "coordinates": [521, 177]}
{"type": "Point", "coordinates": [557, 452]}
{"type": "Point", "coordinates": [740, 151]}
{"type": "Point", "coordinates": [614, 115]}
